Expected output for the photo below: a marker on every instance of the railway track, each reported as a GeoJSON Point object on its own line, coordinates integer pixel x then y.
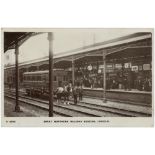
{"type": "Point", "coordinates": [123, 112]}
{"type": "Point", "coordinates": [39, 106]}
{"type": "Point", "coordinates": [82, 109]}
{"type": "Point", "coordinates": [61, 110]}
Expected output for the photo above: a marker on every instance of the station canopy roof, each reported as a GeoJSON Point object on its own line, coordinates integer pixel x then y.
{"type": "Point", "coordinates": [107, 44]}
{"type": "Point", "coordinates": [85, 53]}
{"type": "Point", "coordinates": [11, 38]}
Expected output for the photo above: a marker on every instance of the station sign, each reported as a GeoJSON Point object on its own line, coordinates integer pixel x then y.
{"type": "Point", "coordinates": [109, 70]}
{"type": "Point", "coordinates": [112, 74]}
{"type": "Point", "coordinates": [118, 65]}
{"type": "Point", "coordinates": [134, 68]}
{"type": "Point", "coordinates": [109, 65]}
{"type": "Point", "coordinates": [127, 65]}
{"type": "Point", "coordinates": [101, 66]}
{"type": "Point", "coordinates": [146, 66]}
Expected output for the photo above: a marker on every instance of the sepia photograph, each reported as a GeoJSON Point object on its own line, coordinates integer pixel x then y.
{"type": "Point", "coordinates": [77, 77]}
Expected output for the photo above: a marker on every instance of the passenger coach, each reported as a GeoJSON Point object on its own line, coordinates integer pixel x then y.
{"type": "Point", "coordinates": [37, 83]}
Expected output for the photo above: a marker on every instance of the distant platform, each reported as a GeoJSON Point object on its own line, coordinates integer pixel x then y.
{"type": "Point", "coordinates": [133, 96]}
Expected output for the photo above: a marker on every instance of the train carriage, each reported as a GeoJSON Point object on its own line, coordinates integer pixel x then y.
{"type": "Point", "coordinates": [9, 78]}
{"type": "Point", "coordinates": [37, 83]}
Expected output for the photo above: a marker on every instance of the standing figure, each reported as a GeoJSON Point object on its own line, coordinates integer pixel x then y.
{"type": "Point", "coordinates": [80, 93]}
{"type": "Point", "coordinates": [113, 84]}
{"type": "Point", "coordinates": [69, 91]}
{"type": "Point", "coordinates": [140, 84]}
{"type": "Point", "coordinates": [147, 85]}
{"type": "Point", "coordinates": [75, 94]}
{"type": "Point", "coordinates": [125, 83]}
{"type": "Point", "coordinates": [129, 80]}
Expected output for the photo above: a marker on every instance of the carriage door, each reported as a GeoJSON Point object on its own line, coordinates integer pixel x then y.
{"type": "Point", "coordinates": [59, 79]}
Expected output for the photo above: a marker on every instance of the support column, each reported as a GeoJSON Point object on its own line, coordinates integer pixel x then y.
{"type": "Point", "coordinates": [73, 71]}
{"type": "Point", "coordinates": [50, 38]}
{"type": "Point", "coordinates": [104, 77]}
{"type": "Point", "coordinates": [17, 107]}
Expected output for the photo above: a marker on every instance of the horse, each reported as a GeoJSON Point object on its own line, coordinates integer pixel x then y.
{"type": "Point", "coordinates": [63, 92]}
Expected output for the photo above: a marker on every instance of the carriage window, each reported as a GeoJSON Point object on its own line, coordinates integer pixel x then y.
{"type": "Point", "coordinates": [43, 78]}
{"type": "Point", "coordinates": [47, 77]}
{"type": "Point", "coordinates": [38, 78]}
{"type": "Point", "coordinates": [64, 78]}
{"type": "Point", "coordinates": [33, 78]}
{"type": "Point", "coordinates": [29, 78]}
{"type": "Point", "coordinates": [55, 78]}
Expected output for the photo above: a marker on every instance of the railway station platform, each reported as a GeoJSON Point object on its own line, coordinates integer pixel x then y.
{"type": "Point", "coordinates": [134, 96]}
{"type": "Point", "coordinates": [120, 95]}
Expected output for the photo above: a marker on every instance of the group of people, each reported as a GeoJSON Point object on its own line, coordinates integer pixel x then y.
{"type": "Point", "coordinates": [119, 83]}
{"type": "Point", "coordinates": [144, 85]}
{"type": "Point", "coordinates": [66, 92]}
{"type": "Point", "coordinates": [128, 84]}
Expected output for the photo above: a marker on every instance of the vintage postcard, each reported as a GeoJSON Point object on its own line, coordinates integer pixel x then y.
{"type": "Point", "coordinates": [77, 77]}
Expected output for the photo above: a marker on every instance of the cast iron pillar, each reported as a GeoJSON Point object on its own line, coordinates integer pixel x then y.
{"type": "Point", "coordinates": [104, 77]}
{"type": "Point", "coordinates": [17, 107]}
{"type": "Point", "coordinates": [73, 72]}
{"type": "Point", "coordinates": [50, 38]}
